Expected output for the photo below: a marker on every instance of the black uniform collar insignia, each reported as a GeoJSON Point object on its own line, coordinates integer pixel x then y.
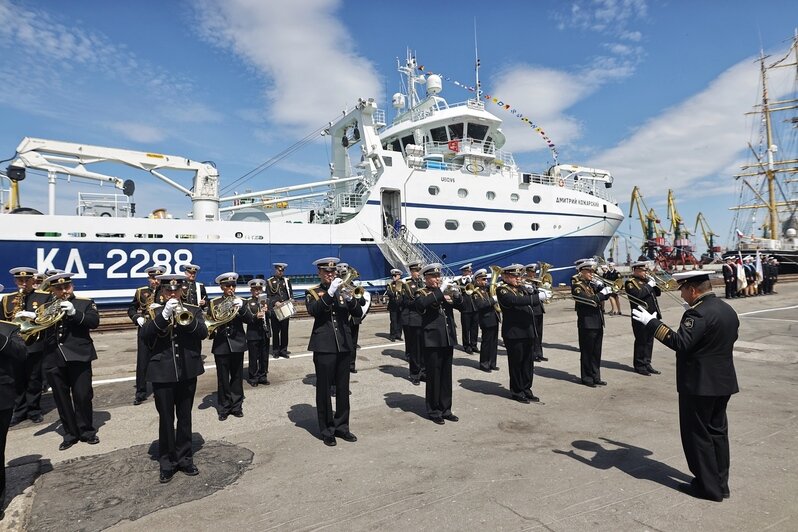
{"type": "Point", "coordinates": [688, 323]}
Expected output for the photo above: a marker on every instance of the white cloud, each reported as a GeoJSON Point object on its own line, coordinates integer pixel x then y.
{"type": "Point", "coordinates": [604, 16]}
{"type": "Point", "coordinates": [137, 132]}
{"type": "Point", "coordinates": [300, 48]}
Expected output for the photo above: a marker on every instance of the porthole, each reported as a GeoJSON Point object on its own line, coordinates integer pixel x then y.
{"type": "Point", "coordinates": [421, 223]}
{"type": "Point", "coordinates": [451, 225]}
{"type": "Point", "coordinates": [508, 226]}
{"type": "Point", "coordinates": [433, 190]}
{"type": "Point", "coordinates": [535, 226]}
{"type": "Point", "coordinates": [513, 197]}
{"type": "Point", "coordinates": [490, 195]}
{"type": "Point", "coordinates": [535, 199]}
{"type": "Point", "coordinates": [478, 225]}
{"type": "Point", "coordinates": [463, 193]}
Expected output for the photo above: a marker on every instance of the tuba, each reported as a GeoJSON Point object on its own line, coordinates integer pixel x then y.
{"type": "Point", "coordinates": [347, 288]}
{"type": "Point", "coordinates": [223, 312]}
{"type": "Point", "coordinates": [545, 277]}
{"type": "Point", "coordinates": [495, 272]}
{"type": "Point", "coordinates": [47, 315]}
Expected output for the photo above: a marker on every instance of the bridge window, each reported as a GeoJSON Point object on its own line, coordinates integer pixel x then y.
{"type": "Point", "coordinates": [478, 225]}
{"type": "Point", "coordinates": [490, 195]}
{"type": "Point", "coordinates": [463, 193]}
{"type": "Point", "coordinates": [438, 134]}
{"type": "Point", "coordinates": [433, 190]}
{"type": "Point", "coordinates": [477, 131]}
{"type": "Point", "coordinates": [409, 139]}
{"type": "Point", "coordinates": [513, 197]}
{"type": "Point", "coordinates": [508, 226]}
{"type": "Point", "coordinates": [422, 223]}
{"type": "Point", "coordinates": [396, 146]}
{"type": "Point", "coordinates": [451, 225]}
{"type": "Point", "coordinates": [456, 131]}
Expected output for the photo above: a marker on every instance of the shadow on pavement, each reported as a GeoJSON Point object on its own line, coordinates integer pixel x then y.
{"type": "Point", "coordinates": [395, 371]}
{"type": "Point", "coordinates": [550, 373]}
{"type": "Point", "coordinates": [406, 402]}
{"type": "Point", "coordinates": [610, 364]}
{"type": "Point", "coordinates": [398, 354]}
{"type": "Point", "coordinates": [485, 387]}
{"type": "Point", "coordinates": [304, 416]}
{"type": "Point", "coordinates": [632, 460]}
{"type": "Point", "coordinates": [563, 347]}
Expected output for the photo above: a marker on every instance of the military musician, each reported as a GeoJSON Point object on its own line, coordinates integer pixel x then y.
{"type": "Point", "coordinates": [643, 291]}
{"type": "Point", "coordinates": [438, 338]}
{"type": "Point", "coordinates": [229, 344]}
{"type": "Point", "coordinates": [588, 293]}
{"type": "Point", "coordinates": [488, 322]}
{"type": "Point", "coordinates": [195, 292]}
{"type": "Point", "coordinates": [12, 361]}
{"type": "Point", "coordinates": [280, 292]}
{"type": "Point", "coordinates": [22, 305]}
{"type": "Point", "coordinates": [469, 319]}
{"type": "Point", "coordinates": [258, 334]}
{"type": "Point", "coordinates": [331, 303]}
{"type": "Point", "coordinates": [411, 324]}
{"type": "Point", "coordinates": [175, 335]}
{"type": "Point", "coordinates": [393, 293]}
{"type": "Point", "coordinates": [139, 312]}
{"type": "Point", "coordinates": [538, 310]}
{"type": "Point", "coordinates": [69, 351]}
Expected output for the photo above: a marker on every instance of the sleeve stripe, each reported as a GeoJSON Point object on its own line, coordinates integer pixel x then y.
{"type": "Point", "coordinates": [662, 332]}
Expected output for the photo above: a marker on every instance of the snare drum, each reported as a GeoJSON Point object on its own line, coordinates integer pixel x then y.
{"type": "Point", "coordinates": [284, 311]}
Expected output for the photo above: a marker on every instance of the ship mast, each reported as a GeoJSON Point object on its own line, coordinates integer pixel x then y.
{"type": "Point", "coordinates": [769, 172]}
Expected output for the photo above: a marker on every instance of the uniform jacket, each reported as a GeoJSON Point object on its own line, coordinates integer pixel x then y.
{"type": "Point", "coordinates": [410, 315]}
{"type": "Point", "coordinates": [259, 329]}
{"type": "Point", "coordinates": [279, 289]}
{"type": "Point", "coordinates": [516, 303]}
{"type": "Point", "coordinates": [176, 352]}
{"type": "Point", "coordinates": [394, 296]}
{"type": "Point", "coordinates": [331, 332]}
{"type": "Point", "coordinates": [639, 290]}
{"type": "Point", "coordinates": [587, 315]}
{"type": "Point", "coordinates": [194, 293]}
{"type": "Point", "coordinates": [69, 340]}
{"type": "Point", "coordinates": [468, 306]}
{"type": "Point", "coordinates": [729, 272]}
{"type": "Point", "coordinates": [230, 337]}
{"type": "Point", "coordinates": [488, 317]}
{"type": "Point", "coordinates": [12, 363]}
{"type": "Point", "coordinates": [437, 321]}
{"type": "Point", "coordinates": [139, 307]}
{"type": "Point", "coordinates": [703, 345]}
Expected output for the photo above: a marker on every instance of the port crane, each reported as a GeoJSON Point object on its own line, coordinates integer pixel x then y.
{"type": "Point", "coordinates": [713, 251]}
{"type": "Point", "coordinates": [682, 252]}
{"type": "Point", "coordinates": [653, 232]}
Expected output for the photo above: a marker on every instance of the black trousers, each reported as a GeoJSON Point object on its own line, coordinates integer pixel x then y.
{"type": "Point", "coordinates": [537, 341]}
{"type": "Point", "coordinates": [72, 392]}
{"type": "Point", "coordinates": [5, 422]}
{"type": "Point", "coordinates": [174, 399]}
{"type": "Point", "coordinates": [643, 347]}
{"type": "Point", "coordinates": [28, 402]}
{"type": "Point", "coordinates": [438, 362]}
{"type": "Point", "coordinates": [229, 382]}
{"type": "Point", "coordinates": [489, 347]}
{"type": "Point", "coordinates": [590, 341]}
{"type": "Point", "coordinates": [395, 332]}
{"type": "Point", "coordinates": [355, 327]}
{"type": "Point", "coordinates": [731, 288]}
{"type": "Point", "coordinates": [258, 359]}
{"type": "Point", "coordinates": [332, 369]}
{"type": "Point", "coordinates": [413, 351]}
{"type": "Point", "coordinates": [142, 359]}
{"type": "Point", "coordinates": [279, 335]}
{"type": "Point", "coordinates": [705, 440]}
{"type": "Point", "coordinates": [469, 322]}
{"type": "Point", "coordinates": [521, 364]}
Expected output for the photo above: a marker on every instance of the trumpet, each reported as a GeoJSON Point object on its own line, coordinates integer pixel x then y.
{"type": "Point", "coordinates": [469, 289]}
{"type": "Point", "coordinates": [182, 315]}
{"type": "Point", "coordinates": [349, 289]}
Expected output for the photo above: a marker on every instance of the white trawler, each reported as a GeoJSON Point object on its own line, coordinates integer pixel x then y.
{"type": "Point", "coordinates": [433, 184]}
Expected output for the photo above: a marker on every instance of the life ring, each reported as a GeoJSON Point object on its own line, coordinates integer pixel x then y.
{"type": "Point", "coordinates": [561, 182]}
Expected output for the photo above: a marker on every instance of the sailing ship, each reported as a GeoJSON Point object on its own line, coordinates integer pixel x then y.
{"type": "Point", "coordinates": [432, 185]}
{"type": "Point", "coordinates": [768, 183]}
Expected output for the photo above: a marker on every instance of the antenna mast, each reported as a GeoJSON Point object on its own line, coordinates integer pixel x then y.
{"type": "Point", "coordinates": [476, 57]}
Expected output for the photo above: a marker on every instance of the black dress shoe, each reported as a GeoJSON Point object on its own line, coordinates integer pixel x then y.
{"type": "Point", "coordinates": [276, 355]}
{"type": "Point", "coordinates": [693, 491]}
{"type": "Point", "coordinates": [520, 399]}
{"type": "Point", "coordinates": [136, 401]}
{"type": "Point", "coordinates": [15, 421]}
{"type": "Point", "coordinates": [252, 382]}
{"type": "Point", "coordinates": [653, 371]}
{"type": "Point", "coordinates": [452, 418]}
{"type": "Point", "coordinates": [601, 383]}
{"type": "Point", "coordinates": [166, 475]}
{"type": "Point", "coordinates": [352, 370]}
{"type": "Point", "coordinates": [329, 441]}
{"type": "Point", "coordinates": [726, 494]}
{"type": "Point", "coordinates": [532, 397]}
{"type": "Point", "coordinates": [264, 381]}
{"type": "Point", "coordinates": [415, 382]}
{"type": "Point", "coordinates": [190, 470]}
{"type": "Point", "coordinates": [284, 354]}
{"type": "Point", "coordinates": [222, 417]}
{"type": "Point", "coordinates": [238, 414]}
{"type": "Point", "coordinates": [94, 440]}
{"type": "Point", "coordinates": [437, 420]}
{"type": "Point", "coordinates": [486, 370]}
{"type": "Point", "coordinates": [495, 368]}
{"type": "Point", "coordinates": [36, 418]}
{"type": "Point", "coordinates": [543, 359]}
{"type": "Point", "coordinates": [468, 350]}
{"type": "Point", "coordinates": [66, 445]}
{"type": "Point", "coordinates": [589, 384]}
{"type": "Point", "coordinates": [351, 438]}
{"type": "Point", "coordinates": [643, 372]}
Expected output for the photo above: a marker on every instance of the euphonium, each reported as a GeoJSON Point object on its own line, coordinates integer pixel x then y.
{"type": "Point", "coordinates": [47, 315]}
{"type": "Point", "coordinates": [348, 288]}
{"type": "Point", "coordinates": [221, 313]}
{"type": "Point", "coordinates": [546, 279]}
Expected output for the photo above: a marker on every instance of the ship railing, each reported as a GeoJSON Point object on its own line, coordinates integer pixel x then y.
{"type": "Point", "coordinates": [421, 114]}
{"type": "Point", "coordinates": [593, 188]}
{"type": "Point", "coordinates": [379, 118]}
{"type": "Point", "coordinates": [410, 249]}
{"type": "Point", "coordinates": [347, 203]}
{"type": "Point", "coordinates": [105, 205]}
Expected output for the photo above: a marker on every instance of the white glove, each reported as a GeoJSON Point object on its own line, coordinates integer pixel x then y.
{"type": "Point", "coordinates": [334, 286]}
{"type": "Point", "coordinates": [445, 284]}
{"type": "Point", "coordinates": [154, 305]}
{"type": "Point", "coordinates": [495, 299]}
{"type": "Point", "coordinates": [169, 309]}
{"type": "Point", "coordinates": [238, 303]}
{"type": "Point", "coordinates": [140, 321]}
{"type": "Point", "coordinates": [652, 283]}
{"type": "Point", "coordinates": [544, 294]}
{"type": "Point", "coordinates": [597, 283]}
{"type": "Point", "coordinates": [25, 314]}
{"type": "Point", "coordinates": [606, 290]}
{"type": "Point", "coordinates": [67, 307]}
{"type": "Point", "coordinates": [642, 316]}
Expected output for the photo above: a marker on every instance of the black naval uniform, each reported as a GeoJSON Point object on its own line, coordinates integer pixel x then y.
{"type": "Point", "coordinates": [67, 363]}
{"type": "Point", "coordinates": [411, 324]}
{"type": "Point", "coordinates": [518, 332]}
{"type": "Point", "coordinates": [139, 308]}
{"type": "Point", "coordinates": [229, 344]}
{"type": "Point", "coordinates": [354, 327]}
{"type": "Point", "coordinates": [194, 293]}
{"type": "Point", "coordinates": [332, 346]}
{"type": "Point", "coordinates": [469, 319]}
{"type": "Point", "coordinates": [279, 289]}
{"type": "Point", "coordinates": [30, 382]}
{"type": "Point", "coordinates": [394, 294]}
{"type": "Point", "coordinates": [438, 338]}
{"type": "Point", "coordinates": [175, 363]}
{"type": "Point", "coordinates": [590, 323]}
{"type": "Point", "coordinates": [489, 323]}
{"type": "Point", "coordinates": [258, 333]}
{"type": "Point", "coordinates": [730, 280]}
{"type": "Point", "coordinates": [538, 310]}
{"type": "Point", "coordinates": [639, 290]}
{"type": "Point", "coordinates": [705, 380]}
{"type": "Point", "coordinates": [12, 364]}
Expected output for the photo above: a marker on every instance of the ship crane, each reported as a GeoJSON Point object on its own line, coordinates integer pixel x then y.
{"type": "Point", "coordinates": [653, 233]}
{"type": "Point", "coordinates": [682, 247]}
{"type": "Point", "coordinates": [713, 251]}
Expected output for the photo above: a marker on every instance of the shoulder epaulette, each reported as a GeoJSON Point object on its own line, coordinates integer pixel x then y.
{"type": "Point", "coordinates": [317, 292]}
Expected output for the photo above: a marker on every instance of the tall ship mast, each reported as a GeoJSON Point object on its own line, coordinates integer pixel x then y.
{"type": "Point", "coordinates": [766, 220]}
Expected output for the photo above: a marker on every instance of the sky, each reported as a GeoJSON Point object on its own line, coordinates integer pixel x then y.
{"type": "Point", "coordinates": [654, 91]}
